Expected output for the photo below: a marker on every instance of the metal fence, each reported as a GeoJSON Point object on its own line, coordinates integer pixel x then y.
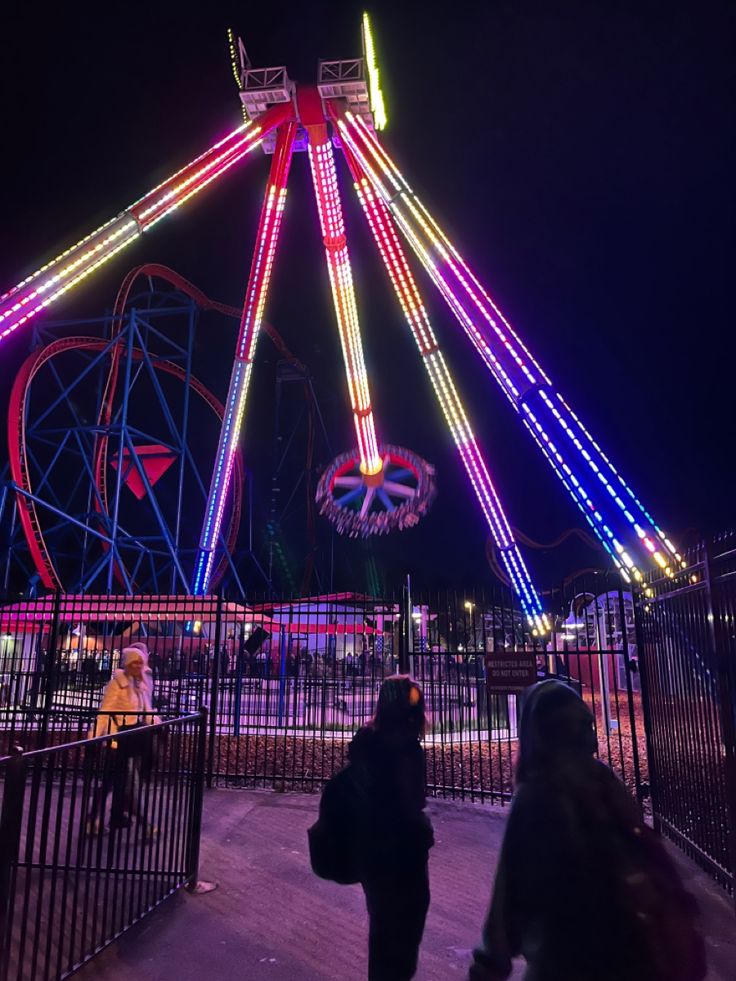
{"type": "Point", "coordinates": [68, 885]}
{"type": "Point", "coordinates": [688, 630]}
{"type": "Point", "coordinates": [288, 681]}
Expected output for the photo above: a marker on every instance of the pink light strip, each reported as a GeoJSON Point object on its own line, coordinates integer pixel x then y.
{"type": "Point", "coordinates": [327, 195]}
{"type": "Point", "coordinates": [250, 324]}
{"type": "Point", "coordinates": [405, 287]}
{"type": "Point", "coordinates": [39, 290]}
{"type": "Point", "coordinates": [520, 376]}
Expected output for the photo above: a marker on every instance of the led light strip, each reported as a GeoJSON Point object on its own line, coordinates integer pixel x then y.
{"type": "Point", "coordinates": [443, 285]}
{"type": "Point", "coordinates": [405, 204]}
{"type": "Point", "coordinates": [250, 324]}
{"type": "Point", "coordinates": [20, 308]}
{"type": "Point", "coordinates": [518, 373]}
{"type": "Point", "coordinates": [401, 185]}
{"type": "Point", "coordinates": [154, 207]}
{"type": "Point", "coordinates": [623, 559]}
{"type": "Point", "coordinates": [378, 106]}
{"type": "Point", "coordinates": [324, 178]}
{"type": "Point", "coordinates": [233, 56]}
{"type": "Point", "coordinates": [234, 64]}
{"type": "Point", "coordinates": [52, 280]}
{"type": "Point", "coordinates": [381, 225]}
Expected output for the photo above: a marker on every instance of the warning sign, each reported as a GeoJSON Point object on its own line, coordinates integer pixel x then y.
{"type": "Point", "coordinates": [510, 672]}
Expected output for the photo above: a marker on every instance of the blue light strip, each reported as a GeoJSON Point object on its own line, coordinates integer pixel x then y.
{"type": "Point", "coordinates": [625, 528]}
{"type": "Point", "coordinates": [382, 226]}
{"type": "Point", "coordinates": [255, 300]}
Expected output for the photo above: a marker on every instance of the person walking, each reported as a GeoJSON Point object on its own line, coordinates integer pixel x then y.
{"type": "Point", "coordinates": [395, 834]}
{"type": "Point", "coordinates": [584, 890]}
{"type": "Point", "coordinates": [145, 745]}
{"type": "Point", "coordinates": [127, 705]}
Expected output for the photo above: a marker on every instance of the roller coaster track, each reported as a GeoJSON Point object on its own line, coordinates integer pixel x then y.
{"type": "Point", "coordinates": [20, 471]}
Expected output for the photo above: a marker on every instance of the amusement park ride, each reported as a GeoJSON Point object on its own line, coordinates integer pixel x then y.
{"type": "Point", "coordinates": [375, 488]}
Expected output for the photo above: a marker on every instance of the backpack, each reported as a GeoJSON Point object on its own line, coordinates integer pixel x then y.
{"type": "Point", "coordinates": [335, 840]}
{"type": "Point", "coordinates": [662, 913]}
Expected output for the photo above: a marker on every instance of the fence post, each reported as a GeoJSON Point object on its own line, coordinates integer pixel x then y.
{"type": "Point", "coordinates": [50, 666]}
{"type": "Point", "coordinates": [282, 676]}
{"type": "Point", "coordinates": [195, 829]}
{"type": "Point", "coordinates": [404, 627]}
{"type": "Point", "coordinates": [726, 711]}
{"type": "Point", "coordinates": [638, 600]}
{"type": "Point", "coordinates": [214, 694]}
{"type": "Point", "coordinates": [239, 665]}
{"type": "Point", "coordinates": [640, 794]}
{"type": "Point", "coordinates": [11, 820]}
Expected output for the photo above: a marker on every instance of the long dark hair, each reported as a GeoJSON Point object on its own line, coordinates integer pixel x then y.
{"type": "Point", "coordinates": [557, 729]}
{"type": "Point", "coordinates": [400, 708]}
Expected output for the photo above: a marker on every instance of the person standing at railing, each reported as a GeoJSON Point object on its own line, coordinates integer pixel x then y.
{"type": "Point", "coordinates": [126, 706]}
{"type": "Point", "coordinates": [372, 829]}
{"type": "Point", "coordinates": [397, 834]}
{"type": "Point", "coordinates": [584, 889]}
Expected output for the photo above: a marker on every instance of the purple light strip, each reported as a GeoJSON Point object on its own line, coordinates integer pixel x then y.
{"type": "Point", "coordinates": [255, 300]}
{"type": "Point", "coordinates": [517, 374]}
{"type": "Point", "coordinates": [382, 227]}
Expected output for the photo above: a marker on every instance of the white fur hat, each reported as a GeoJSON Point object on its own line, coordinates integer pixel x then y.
{"type": "Point", "coordinates": [142, 647]}
{"type": "Point", "coordinates": [132, 653]}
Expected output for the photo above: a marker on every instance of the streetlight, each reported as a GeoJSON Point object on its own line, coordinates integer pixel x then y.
{"type": "Point", "coordinates": [469, 626]}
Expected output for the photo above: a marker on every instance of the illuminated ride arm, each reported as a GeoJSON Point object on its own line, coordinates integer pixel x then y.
{"type": "Point", "coordinates": [250, 324]}
{"type": "Point", "coordinates": [625, 528]}
{"type": "Point", "coordinates": [382, 226]}
{"type": "Point", "coordinates": [47, 284]}
{"type": "Point", "coordinates": [391, 488]}
{"type": "Point", "coordinates": [329, 208]}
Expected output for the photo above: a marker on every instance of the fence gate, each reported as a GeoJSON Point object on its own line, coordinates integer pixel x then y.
{"type": "Point", "coordinates": [688, 635]}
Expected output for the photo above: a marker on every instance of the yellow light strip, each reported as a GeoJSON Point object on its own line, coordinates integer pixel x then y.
{"type": "Point", "coordinates": [378, 107]}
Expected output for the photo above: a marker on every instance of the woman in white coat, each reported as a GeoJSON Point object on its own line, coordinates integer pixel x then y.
{"type": "Point", "coordinates": [126, 705]}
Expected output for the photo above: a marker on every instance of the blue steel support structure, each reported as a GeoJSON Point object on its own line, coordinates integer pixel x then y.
{"type": "Point", "coordinates": [104, 548]}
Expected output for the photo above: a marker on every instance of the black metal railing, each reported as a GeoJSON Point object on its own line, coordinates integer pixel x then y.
{"type": "Point", "coordinates": [688, 636]}
{"type": "Point", "coordinates": [94, 834]}
{"type": "Point", "coordinates": [288, 681]}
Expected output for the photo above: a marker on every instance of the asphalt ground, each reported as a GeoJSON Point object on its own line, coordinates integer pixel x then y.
{"type": "Point", "coordinates": [271, 918]}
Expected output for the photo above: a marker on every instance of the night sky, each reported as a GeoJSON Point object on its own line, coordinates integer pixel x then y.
{"type": "Point", "coordinates": [581, 155]}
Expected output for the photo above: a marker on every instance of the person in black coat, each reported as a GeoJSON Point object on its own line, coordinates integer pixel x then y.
{"type": "Point", "coordinates": [396, 835]}
{"type": "Point", "coordinates": [584, 890]}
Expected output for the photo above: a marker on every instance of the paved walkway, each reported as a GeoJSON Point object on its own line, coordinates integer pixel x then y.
{"type": "Point", "coordinates": [271, 919]}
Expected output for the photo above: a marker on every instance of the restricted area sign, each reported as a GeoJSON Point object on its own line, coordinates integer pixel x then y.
{"type": "Point", "coordinates": [510, 672]}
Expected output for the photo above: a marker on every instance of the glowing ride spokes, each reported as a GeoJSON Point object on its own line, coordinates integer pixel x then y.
{"type": "Point", "coordinates": [590, 478]}
{"type": "Point", "coordinates": [402, 280]}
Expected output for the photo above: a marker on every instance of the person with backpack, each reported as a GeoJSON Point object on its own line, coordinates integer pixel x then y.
{"type": "Point", "coordinates": [584, 890]}
{"type": "Point", "coordinates": [372, 829]}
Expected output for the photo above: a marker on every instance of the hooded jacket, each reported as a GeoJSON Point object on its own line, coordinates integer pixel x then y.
{"type": "Point", "coordinates": [560, 895]}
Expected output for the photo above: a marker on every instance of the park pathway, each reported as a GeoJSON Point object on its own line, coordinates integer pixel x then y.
{"type": "Point", "coordinates": [271, 919]}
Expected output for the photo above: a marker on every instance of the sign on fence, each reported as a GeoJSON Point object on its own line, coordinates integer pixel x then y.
{"type": "Point", "coordinates": [510, 672]}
